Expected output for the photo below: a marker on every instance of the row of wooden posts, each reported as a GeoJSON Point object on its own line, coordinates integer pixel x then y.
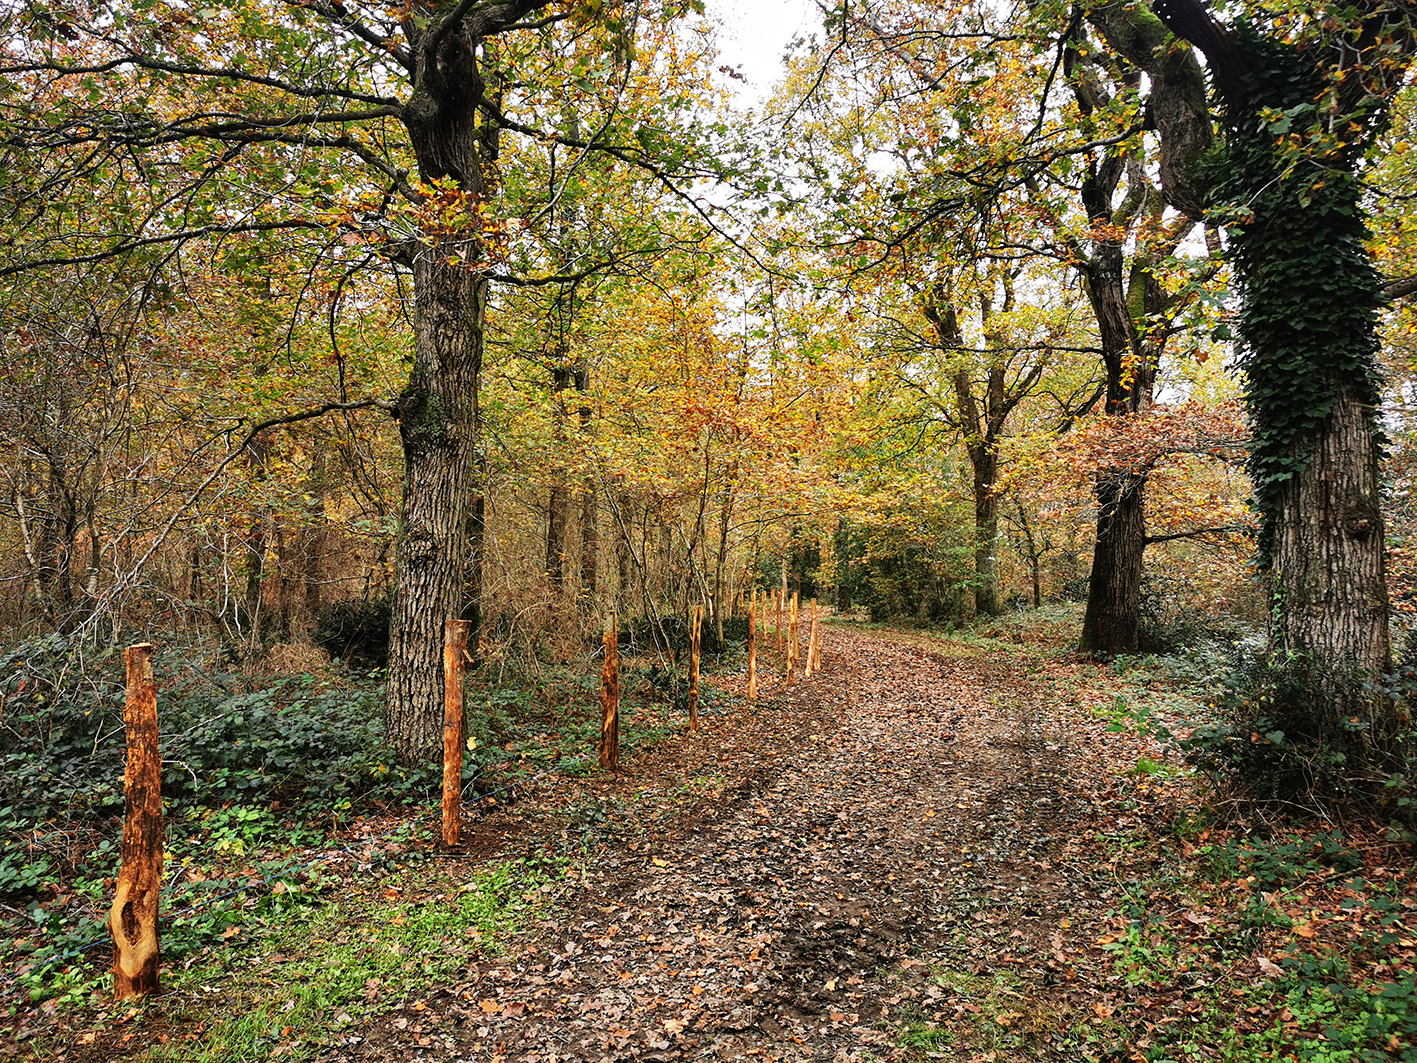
{"type": "Point", "coordinates": [610, 675]}
{"type": "Point", "coordinates": [133, 917]}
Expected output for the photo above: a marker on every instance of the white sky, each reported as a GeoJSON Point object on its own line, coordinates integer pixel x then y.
{"type": "Point", "coordinates": [753, 35]}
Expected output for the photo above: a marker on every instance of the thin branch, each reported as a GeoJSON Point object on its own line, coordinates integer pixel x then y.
{"type": "Point", "coordinates": [129, 244]}
{"type": "Point", "coordinates": [1198, 533]}
{"type": "Point", "coordinates": [131, 576]}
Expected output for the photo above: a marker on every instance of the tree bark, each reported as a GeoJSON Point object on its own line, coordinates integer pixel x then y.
{"type": "Point", "coordinates": [437, 424]}
{"type": "Point", "coordinates": [590, 510]}
{"type": "Point", "coordinates": [438, 409]}
{"type": "Point", "coordinates": [1303, 249]}
{"type": "Point", "coordinates": [1121, 297]}
{"type": "Point", "coordinates": [558, 504]}
{"type": "Point", "coordinates": [1114, 593]}
{"type": "Point", "coordinates": [986, 531]}
{"type": "Point", "coordinates": [312, 540]}
{"type": "Point", "coordinates": [1329, 565]}
{"type": "Point", "coordinates": [257, 537]}
{"type": "Point", "coordinates": [472, 610]}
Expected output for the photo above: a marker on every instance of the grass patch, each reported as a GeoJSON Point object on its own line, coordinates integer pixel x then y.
{"type": "Point", "coordinates": [320, 969]}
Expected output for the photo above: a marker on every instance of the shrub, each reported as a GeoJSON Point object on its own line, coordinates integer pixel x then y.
{"type": "Point", "coordinates": [1169, 618]}
{"type": "Point", "coordinates": [1288, 729]}
{"type": "Point", "coordinates": [302, 743]}
{"type": "Point", "coordinates": [356, 631]}
{"type": "Point", "coordinates": [670, 634]}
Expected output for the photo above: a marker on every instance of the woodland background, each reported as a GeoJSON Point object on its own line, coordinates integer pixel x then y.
{"type": "Point", "coordinates": [323, 321]}
{"type": "Point", "coordinates": [324, 324]}
{"type": "Point", "coordinates": [687, 387]}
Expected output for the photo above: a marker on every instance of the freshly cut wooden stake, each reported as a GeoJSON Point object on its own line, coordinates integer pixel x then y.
{"type": "Point", "coordinates": [454, 649]}
{"type": "Point", "coordinates": [610, 699]}
{"type": "Point", "coordinates": [792, 637]}
{"type": "Point", "coordinates": [696, 627]}
{"type": "Point", "coordinates": [778, 596]}
{"type": "Point", "coordinates": [811, 643]}
{"type": "Point", "coordinates": [753, 647]}
{"type": "Point", "coordinates": [816, 642]}
{"type": "Point", "coordinates": [133, 917]}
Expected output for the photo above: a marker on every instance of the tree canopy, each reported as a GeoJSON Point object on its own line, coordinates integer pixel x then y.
{"type": "Point", "coordinates": [507, 311]}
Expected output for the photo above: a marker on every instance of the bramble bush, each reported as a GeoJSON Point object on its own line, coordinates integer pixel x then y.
{"type": "Point", "coordinates": [1288, 729]}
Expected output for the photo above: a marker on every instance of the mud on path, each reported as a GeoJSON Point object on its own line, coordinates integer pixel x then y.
{"type": "Point", "coordinates": [904, 813]}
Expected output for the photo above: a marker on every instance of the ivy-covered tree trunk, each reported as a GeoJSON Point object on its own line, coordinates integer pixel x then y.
{"type": "Point", "coordinates": [1308, 326]}
{"type": "Point", "coordinates": [1298, 116]}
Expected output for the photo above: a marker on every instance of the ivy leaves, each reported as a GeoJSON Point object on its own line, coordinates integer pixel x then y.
{"type": "Point", "coordinates": [1308, 321]}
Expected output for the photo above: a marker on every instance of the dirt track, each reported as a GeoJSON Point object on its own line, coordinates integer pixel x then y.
{"type": "Point", "coordinates": [865, 836]}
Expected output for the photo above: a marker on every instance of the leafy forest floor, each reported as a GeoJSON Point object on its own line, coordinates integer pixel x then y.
{"type": "Point", "coordinates": [965, 849]}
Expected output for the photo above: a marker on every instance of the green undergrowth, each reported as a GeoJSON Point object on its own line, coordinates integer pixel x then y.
{"type": "Point", "coordinates": [261, 776]}
{"type": "Point", "coordinates": [1212, 921]}
{"type": "Point", "coordinates": [299, 975]}
{"type": "Point", "coordinates": [1251, 927]}
{"type": "Point", "coordinates": [1294, 944]}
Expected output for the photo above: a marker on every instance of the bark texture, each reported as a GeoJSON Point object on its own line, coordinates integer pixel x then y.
{"type": "Point", "coordinates": [1308, 317]}
{"type": "Point", "coordinates": [1329, 563]}
{"type": "Point", "coordinates": [438, 409]}
{"type": "Point", "coordinates": [437, 422]}
{"type": "Point", "coordinates": [1113, 597]}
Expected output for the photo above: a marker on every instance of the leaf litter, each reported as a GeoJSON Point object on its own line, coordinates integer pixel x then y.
{"type": "Point", "coordinates": [904, 809]}
{"type": "Point", "coordinates": [928, 851]}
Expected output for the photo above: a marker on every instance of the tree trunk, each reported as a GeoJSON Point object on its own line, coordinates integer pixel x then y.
{"type": "Point", "coordinates": [986, 531]}
{"type": "Point", "coordinates": [623, 512]}
{"type": "Point", "coordinates": [59, 530]}
{"type": "Point", "coordinates": [438, 409]}
{"type": "Point", "coordinates": [1114, 593]}
{"type": "Point", "coordinates": [312, 541]}
{"type": "Point", "coordinates": [590, 532]}
{"type": "Point", "coordinates": [472, 610]}
{"type": "Point", "coordinates": [558, 505]}
{"type": "Point", "coordinates": [590, 543]}
{"type": "Point", "coordinates": [437, 423]}
{"type": "Point", "coordinates": [285, 585]}
{"type": "Point", "coordinates": [1328, 550]}
{"type": "Point", "coordinates": [257, 537]}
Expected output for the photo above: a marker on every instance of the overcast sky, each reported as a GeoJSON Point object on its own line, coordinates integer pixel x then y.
{"type": "Point", "coordinates": [753, 34]}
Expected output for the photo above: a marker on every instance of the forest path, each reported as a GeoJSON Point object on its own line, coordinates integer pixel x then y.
{"type": "Point", "coordinates": [905, 813]}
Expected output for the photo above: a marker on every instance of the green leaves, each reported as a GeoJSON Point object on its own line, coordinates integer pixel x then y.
{"type": "Point", "coordinates": [1307, 325]}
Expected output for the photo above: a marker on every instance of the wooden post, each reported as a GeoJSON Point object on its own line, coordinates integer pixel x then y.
{"type": "Point", "coordinates": [812, 662]}
{"type": "Point", "coordinates": [817, 661]}
{"type": "Point", "coordinates": [792, 656]}
{"type": "Point", "coordinates": [753, 648]}
{"type": "Point", "coordinates": [610, 700]}
{"type": "Point", "coordinates": [778, 624]}
{"type": "Point", "coordinates": [454, 647]}
{"type": "Point", "coordinates": [695, 628]}
{"type": "Point", "coordinates": [133, 918]}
